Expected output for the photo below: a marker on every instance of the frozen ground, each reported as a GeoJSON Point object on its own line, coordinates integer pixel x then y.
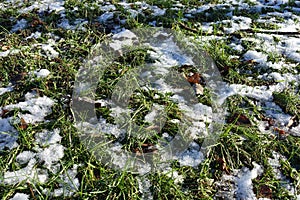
{"type": "Point", "coordinates": [269, 43]}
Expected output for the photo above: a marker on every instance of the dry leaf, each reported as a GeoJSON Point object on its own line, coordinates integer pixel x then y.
{"type": "Point", "coordinates": [3, 112]}
{"type": "Point", "coordinates": [239, 119]}
{"type": "Point", "coordinates": [195, 78]}
{"type": "Point", "coordinates": [23, 124]}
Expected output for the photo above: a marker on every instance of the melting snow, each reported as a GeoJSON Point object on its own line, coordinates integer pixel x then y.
{"type": "Point", "coordinates": [192, 156]}
{"type": "Point", "coordinates": [20, 196]}
{"type": "Point", "coordinates": [8, 134]}
{"type": "Point", "coordinates": [21, 24]}
{"type": "Point", "coordinates": [244, 182]}
{"type": "Point", "coordinates": [284, 181]}
{"type": "Point", "coordinates": [39, 107]}
{"type": "Point", "coordinates": [239, 185]}
{"type": "Point", "coordinates": [4, 90]}
{"type": "Point", "coordinates": [42, 73]}
{"type": "Point", "coordinates": [256, 56]}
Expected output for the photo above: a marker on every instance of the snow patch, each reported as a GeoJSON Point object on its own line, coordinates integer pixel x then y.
{"type": "Point", "coordinates": [20, 196]}
{"type": "Point", "coordinates": [42, 73]}
{"type": "Point", "coordinates": [39, 107]}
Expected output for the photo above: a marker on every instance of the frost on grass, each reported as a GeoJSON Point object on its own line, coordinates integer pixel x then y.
{"type": "Point", "coordinates": [48, 152]}
{"type": "Point", "coordinates": [144, 188]}
{"type": "Point", "coordinates": [283, 180]}
{"type": "Point", "coordinates": [68, 183]}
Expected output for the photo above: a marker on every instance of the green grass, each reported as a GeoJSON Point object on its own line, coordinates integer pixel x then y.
{"type": "Point", "coordinates": [239, 144]}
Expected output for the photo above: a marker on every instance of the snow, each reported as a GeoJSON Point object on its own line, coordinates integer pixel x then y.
{"type": "Point", "coordinates": [244, 182]}
{"type": "Point", "coordinates": [24, 174]}
{"type": "Point", "coordinates": [39, 107]}
{"type": "Point", "coordinates": [46, 138]}
{"type": "Point", "coordinates": [144, 188]}
{"type": "Point", "coordinates": [169, 172]}
{"type": "Point", "coordinates": [21, 24]}
{"type": "Point", "coordinates": [51, 155]}
{"type": "Point", "coordinates": [192, 156]}
{"type": "Point", "coordinates": [275, 163]}
{"type": "Point", "coordinates": [49, 50]}
{"type": "Point", "coordinates": [69, 183]}
{"type": "Point", "coordinates": [105, 17]}
{"type": "Point", "coordinates": [4, 53]}
{"type": "Point", "coordinates": [50, 158]}
{"type": "Point", "coordinates": [238, 23]}
{"type": "Point", "coordinates": [7, 89]}
{"type": "Point", "coordinates": [24, 157]}
{"type": "Point", "coordinates": [158, 11]}
{"type": "Point", "coordinates": [20, 196]}
{"type": "Point", "coordinates": [34, 35]}
{"type": "Point", "coordinates": [108, 8]}
{"type": "Point", "coordinates": [45, 5]}
{"type": "Point", "coordinates": [256, 56]}
{"type": "Point", "coordinates": [239, 185]}
{"type": "Point", "coordinates": [42, 73]}
{"type": "Point", "coordinates": [8, 134]}
{"type": "Point", "coordinates": [154, 114]}
{"type": "Point", "coordinates": [49, 152]}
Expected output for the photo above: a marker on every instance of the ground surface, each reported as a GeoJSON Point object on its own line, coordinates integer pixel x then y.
{"type": "Point", "coordinates": [255, 45]}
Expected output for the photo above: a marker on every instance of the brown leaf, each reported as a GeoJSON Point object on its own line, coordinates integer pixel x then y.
{"type": "Point", "coordinates": [239, 119]}
{"type": "Point", "coordinates": [23, 124]}
{"type": "Point", "coordinates": [3, 112]}
{"type": "Point", "coordinates": [37, 22]}
{"type": "Point", "coordinates": [282, 134]}
{"type": "Point", "coordinates": [195, 78]}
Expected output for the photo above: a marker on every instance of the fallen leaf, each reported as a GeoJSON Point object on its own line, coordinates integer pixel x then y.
{"type": "Point", "coordinates": [282, 134]}
{"type": "Point", "coordinates": [195, 78]}
{"type": "Point", "coordinates": [3, 112]}
{"type": "Point", "coordinates": [37, 22]}
{"type": "Point", "coordinates": [23, 124]}
{"type": "Point", "coordinates": [239, 119]}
